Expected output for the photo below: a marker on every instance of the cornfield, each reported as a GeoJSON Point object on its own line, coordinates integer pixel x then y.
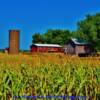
{"type": "Point", "coordinates": [49, 75]}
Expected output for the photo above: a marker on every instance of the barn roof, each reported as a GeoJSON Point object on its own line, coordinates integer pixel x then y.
{"type": "Point", "coordinates": [47, 45]}
{"type": "Point", "coordinates": [79, 41]}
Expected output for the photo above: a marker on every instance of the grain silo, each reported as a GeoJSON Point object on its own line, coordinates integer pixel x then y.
{"type": "Point", "coordinates": [14, 39]}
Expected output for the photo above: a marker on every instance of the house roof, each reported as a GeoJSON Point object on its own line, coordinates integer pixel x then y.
{"type": "Point", "coordinates": [47, 45]}
{"type": "Point", "coordinates": [79, 41]}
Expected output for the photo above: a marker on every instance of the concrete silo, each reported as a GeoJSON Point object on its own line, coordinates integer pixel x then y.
{"type": "Point", "coordinates": [14, 41]}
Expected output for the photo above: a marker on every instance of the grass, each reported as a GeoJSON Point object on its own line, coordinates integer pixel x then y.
{"type": "Point", "coordinates": [49, 74]}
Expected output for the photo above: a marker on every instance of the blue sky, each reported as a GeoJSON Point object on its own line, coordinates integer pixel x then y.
{"type": "Point", "coordinates": [32, 16]}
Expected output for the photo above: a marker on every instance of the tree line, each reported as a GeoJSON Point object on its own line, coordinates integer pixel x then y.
{"type": "Point", "coordinates": [87, 29]}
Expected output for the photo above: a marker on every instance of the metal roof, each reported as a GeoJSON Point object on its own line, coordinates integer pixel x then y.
{"type": "Point", "coordinates": [47, 45]}
{"type": "Point", "coordinates": [79, 41]}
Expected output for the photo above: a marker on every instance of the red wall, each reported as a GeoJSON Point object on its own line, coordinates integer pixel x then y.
{"type": "Point", "coordinates": [33, 49]}
{"type": "Point", "coordinates": [46, 49]}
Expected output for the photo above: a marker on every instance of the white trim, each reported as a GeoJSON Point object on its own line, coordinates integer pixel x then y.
{"type": "Point", "coordinates": [47, 45]}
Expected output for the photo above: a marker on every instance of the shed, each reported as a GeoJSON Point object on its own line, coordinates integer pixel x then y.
{"type": "Point", "coordinates": [46, 48]}
{"type": "Point", "coordinates": [77, 46]}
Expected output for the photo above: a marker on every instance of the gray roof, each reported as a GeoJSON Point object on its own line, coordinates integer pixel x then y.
{"type": "Point", "coordinates": [47, 45]}
{"type": "Point", "coordinates": [79, 41]}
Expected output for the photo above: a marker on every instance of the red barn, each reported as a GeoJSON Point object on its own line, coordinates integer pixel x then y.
{"type": "Point", "coordinates": [46, 48]}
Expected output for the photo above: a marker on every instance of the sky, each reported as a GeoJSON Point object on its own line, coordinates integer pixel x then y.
{"type": "Point", "coordinates": [31, 16]}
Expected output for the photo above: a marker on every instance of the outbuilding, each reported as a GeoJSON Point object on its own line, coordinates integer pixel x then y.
{"type": "Point", "coordinates": [46, 48]}
{"type": "Point", "coordinates": [77, 47]}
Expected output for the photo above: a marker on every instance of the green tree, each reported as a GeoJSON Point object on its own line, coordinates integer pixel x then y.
{"type": "Point", "coordinates": [37, 38]}
{"type": "Point", "coordinates": [89, 29]}
{"type": "Point", "coordinates": [57, 36]}
{"type": "Point", "coordinates": [52, 37]}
